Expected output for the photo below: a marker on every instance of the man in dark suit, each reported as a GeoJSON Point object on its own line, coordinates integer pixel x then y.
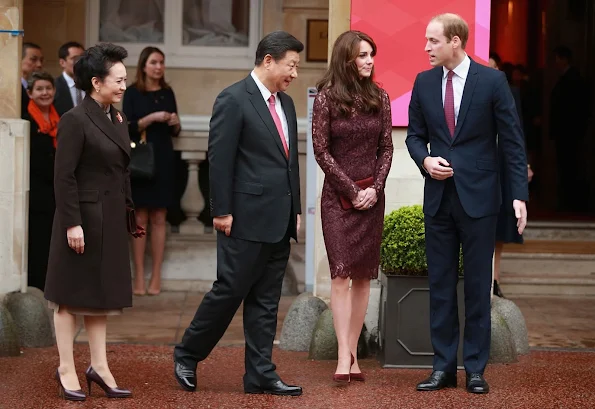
{"type": "Point", "coordinates": [31, 61]}
{"type": "Point", "coordinates": [67, 95]}
{"type": "Point", "coordinates": [255, 203]}
{"type": "Point", "coordinates": [460, 108]}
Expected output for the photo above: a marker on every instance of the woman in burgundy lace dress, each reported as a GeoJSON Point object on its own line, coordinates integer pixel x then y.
{"type": "Point", "coordinates": [351, 131]}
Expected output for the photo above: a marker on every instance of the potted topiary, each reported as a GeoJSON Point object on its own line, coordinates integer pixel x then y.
{"type": "Point", "coordinates": [405, 295]}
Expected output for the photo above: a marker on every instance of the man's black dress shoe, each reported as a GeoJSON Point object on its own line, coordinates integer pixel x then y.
{"type": "Point", "coordinates": [278, 388]}
{"type": "Point", "coordinates": [437, 381]}
{"type": "Point", "coordinates": [185, 376]}
{"type": "Point", "coordinates": [476, 383]}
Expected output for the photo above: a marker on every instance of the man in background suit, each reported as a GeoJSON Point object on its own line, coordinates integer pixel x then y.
{"type": "Point", "coordinates": [67, 95]}
{"type": "Point", "coordinates": [255, 203]}
{"type": "Point", "coordinates": [31, 61]}
{"type": "Point", "coordinates": [460, 108]}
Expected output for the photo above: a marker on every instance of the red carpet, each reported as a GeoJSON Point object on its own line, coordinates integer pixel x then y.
{"type": "Point", "coordinates": [543, 379]}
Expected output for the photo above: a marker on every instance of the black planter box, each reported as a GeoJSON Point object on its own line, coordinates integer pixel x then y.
{"type": "Point", "coordinates": [405, 340]}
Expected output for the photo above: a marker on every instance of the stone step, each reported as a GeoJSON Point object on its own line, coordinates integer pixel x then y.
{"type": "Point", "coordinates": [548, 274]}
{"type": "Point", "coordinates": [578, 231]}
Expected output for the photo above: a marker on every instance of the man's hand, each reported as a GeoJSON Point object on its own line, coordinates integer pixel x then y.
{"type": "Point", "coordinates": [369, 199]}
{"type": "Point", "coordinates": [223, 223]}
{"type": "Point", "coordinates": [298, 224]}
{"type": "Point", "coordinates": [520, 211]}
{"type": "Point", "coordinates": [76, 239]}
{"type": "Point", "coordinates": [437, 167]}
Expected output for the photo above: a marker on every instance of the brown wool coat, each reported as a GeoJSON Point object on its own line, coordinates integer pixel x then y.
{"type": "Point", "coordinates": [92, 187]}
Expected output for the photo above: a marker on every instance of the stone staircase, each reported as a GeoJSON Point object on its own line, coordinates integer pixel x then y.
{"type": "Point", "coordinates": [557, 259]}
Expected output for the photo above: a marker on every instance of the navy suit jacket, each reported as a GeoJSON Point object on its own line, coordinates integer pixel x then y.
{"type": "Point", "coordinates": [487, 116]}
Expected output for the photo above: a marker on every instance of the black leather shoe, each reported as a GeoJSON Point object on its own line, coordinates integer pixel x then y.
{"type": "Point", "coordinates": [437, 381]}
{"type": "Point", "coordinates": [185, 376]}
{"type": "Point", "coordinates": [476, 383]}
{"type": "Point", "coordinates": [278, 388]}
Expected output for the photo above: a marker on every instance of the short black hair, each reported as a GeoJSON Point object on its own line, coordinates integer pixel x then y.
{"type": "Point", "coordinates": [26, 46]}
{"type": "Point", "coordinates": [96, 62]}
{"type": "Point", "coordinates": [494, 56]}
{"type": "Point", "coordinates": [63, 50]}
{"type": "Point", "coordinates": [563, 52]}
{"type": "Point", "coordinates": [39, 76]}
{"type": "Point", "coordinates": [277, 44]}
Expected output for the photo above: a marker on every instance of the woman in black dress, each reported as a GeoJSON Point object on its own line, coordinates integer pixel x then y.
{"type": "Point", "coordinates": [43, 118]}
{"type": "Point", "coordinates": [150, 106]}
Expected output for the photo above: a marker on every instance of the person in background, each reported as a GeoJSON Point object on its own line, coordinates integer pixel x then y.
{"type": "Point", "coordinates": [31, 61]}
{"type": "Point", "coordinates": [150, 105]}
{"type": "Point", "coordinates": [43, 119]}
{"type": "Point", "coordinates": [67, 94]}
{"type": "Point", "coordinates": [352, 138]}
{"type": "Point", "coordinates": [506, 229]}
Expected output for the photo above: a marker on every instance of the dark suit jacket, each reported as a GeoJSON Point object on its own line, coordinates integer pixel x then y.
{"type": "Point", "coordinates": [487, 116]}
{"type": "Point", "coordinates": [250, 176]}
{"type": "Point", "coordinates": [24, 101]}
{"type": "Point", "coordinates": [92, 187]}
{"type": "Point", "coordinates": [62, 99]}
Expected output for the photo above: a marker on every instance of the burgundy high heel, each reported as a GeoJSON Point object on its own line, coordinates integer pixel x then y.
{"type": "Point", "coordinates": [68, 394]}
{"type": "Point", "coordinates": [343, 378]}
{"type": "Point", "coordinates": [356, 376]}
{"type": "Point", "coordinates": [93, 376]}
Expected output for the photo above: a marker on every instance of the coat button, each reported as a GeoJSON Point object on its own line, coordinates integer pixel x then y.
{"type": "Point", "coordinates": [106, 173]}
{"type": "Point", "coordinates": [106, 193]}
{"type": "Point", "coordinates": [122, 190]}
{"type": "Point", "coordinates": [451, 149]}
{"type": "Point", "coordinates": [288, 193]}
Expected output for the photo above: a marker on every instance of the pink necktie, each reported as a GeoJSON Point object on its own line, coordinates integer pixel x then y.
{"type": "Point", "coordinates": [449, 104]}
{"type": "Point", "coordinates": [278, 123]}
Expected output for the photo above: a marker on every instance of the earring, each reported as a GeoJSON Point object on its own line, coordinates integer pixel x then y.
{"type": "Point", "coordinates": [97, 90]}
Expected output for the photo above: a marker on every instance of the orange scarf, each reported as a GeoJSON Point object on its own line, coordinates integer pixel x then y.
{"type": "Point", "coordinates": [49, 128]}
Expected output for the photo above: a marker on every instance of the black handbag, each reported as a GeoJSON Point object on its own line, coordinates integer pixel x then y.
{"type": "Point", "coordinates": [142, 159]}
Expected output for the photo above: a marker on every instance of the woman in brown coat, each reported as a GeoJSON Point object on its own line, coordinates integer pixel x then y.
{"type": "Point", "coordinates": [89, 268]}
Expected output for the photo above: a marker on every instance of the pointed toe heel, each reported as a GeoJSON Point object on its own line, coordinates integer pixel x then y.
{"type": "Point", "coordinates": [116, 392]}
{"type": "Point", "coordinates": [68, 394]}
{"type": "Point", "coordinates": [357, 376]}
{"type": "Point", "coordinates": [341, 378]}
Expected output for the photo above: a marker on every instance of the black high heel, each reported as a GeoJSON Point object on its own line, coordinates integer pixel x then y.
{"type": "Point", "coordinates": [93, 376]}
{"type": "Point", "coordinates": [68, 394]}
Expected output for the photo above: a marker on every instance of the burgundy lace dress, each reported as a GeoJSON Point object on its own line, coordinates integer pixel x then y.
{"type": "Point", "coordinates": [347, 150]}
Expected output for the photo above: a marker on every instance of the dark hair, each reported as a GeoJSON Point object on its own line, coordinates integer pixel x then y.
{"type": "Point", "coordinates": [277, 44]}
{"type": "Point", "coordinates": [96, 62]}
{"type": "Point", "coordinates": [141, 76]}
{"type": "Point", "coordinates": [26, 46]}
{"type": "Point", "coordinates": [39, 76]}
{"type": "Point", "coordinates": [63, 50]}
{"type": "Point", "coordinates": [563, 52]}
{"type": "Point", "coordinates": [342, 77]}
{"type": "Point", "coordinates": [494, 56]}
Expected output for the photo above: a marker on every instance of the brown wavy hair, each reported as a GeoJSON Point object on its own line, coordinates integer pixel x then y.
{"type": "Point", "coordinates": [141, 76]}
{"type": "Point", "coordinates": [342, 78]}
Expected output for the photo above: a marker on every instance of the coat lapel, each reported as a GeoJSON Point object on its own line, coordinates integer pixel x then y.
{"type": "Point", "coordinates": [263, 111]}
{"type": "Point", "coordinates": [291, 121]}
{"type": "Point", "coordinates": [111, 130]}
{"type": "Point", "coordinates": [470, 83]}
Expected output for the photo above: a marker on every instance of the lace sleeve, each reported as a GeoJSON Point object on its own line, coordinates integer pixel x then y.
{"type": "Point", "coordinates": [385, 145]}
{"type": "Point", "coordinates": [321, 138]}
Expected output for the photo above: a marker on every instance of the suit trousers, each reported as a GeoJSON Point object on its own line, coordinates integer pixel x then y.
{"type": "Point", "coordinates": [450, 228]}
{"type": "Point", "coordinates": [251, 272]}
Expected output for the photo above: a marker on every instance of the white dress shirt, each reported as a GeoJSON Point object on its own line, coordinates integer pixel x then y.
{"type": "Point", "coordinates": [266, 94]}
{"type": "Point", "coordinates": [458, 83]}
{"type": "Point", "coordinates": [72, 88]}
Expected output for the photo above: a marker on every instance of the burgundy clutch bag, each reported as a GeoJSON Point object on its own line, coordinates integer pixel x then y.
{"type": "Point", "coordinates": [362, 184]}
{"type": "Point", "coordinates": [131, 226]}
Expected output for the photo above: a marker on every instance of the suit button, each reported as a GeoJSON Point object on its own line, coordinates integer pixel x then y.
{"type": "Point", "coordinates": [106, 193]}
{"type": "Point", "coordinates": [122, 190]}
{"type": "Point", "coordinates": [290, 169]}
{"type": "Point", "coordinates": [288, 193]}
{"type": "Point", "coordinates": [451, 149]}
{"type": "Point", "coordinates": [106, 173]}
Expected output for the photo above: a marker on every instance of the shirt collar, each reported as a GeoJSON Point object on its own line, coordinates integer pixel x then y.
{"type": "Point", "coordinates": [24, 83]}
{"type": "Point", "coordinates": [69, 80]}
{"type": "Point", "coordinates": [266, 94]}
{"type": "Point", "coordinates": [461, 70]}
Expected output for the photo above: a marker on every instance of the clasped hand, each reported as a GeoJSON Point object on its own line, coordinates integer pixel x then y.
{"type": "Point", "coordinates": [365, 199]}
{"type": "Point", "coordinates": [438, 167]}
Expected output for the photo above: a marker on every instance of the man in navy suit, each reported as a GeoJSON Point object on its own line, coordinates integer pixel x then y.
{"type": "Point", "coordinates": [462, 110]}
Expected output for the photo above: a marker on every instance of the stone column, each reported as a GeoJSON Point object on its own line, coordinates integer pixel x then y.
{"type": "Point", "coordinates": [24, 318]}
{"type": "Point", "coordinates": [339, 22]}
{"type": "Point", "coordinates": [192, 201]}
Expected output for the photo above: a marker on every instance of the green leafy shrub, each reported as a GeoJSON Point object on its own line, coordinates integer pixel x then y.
{"type": "Point", "coordinates": [403, 248]}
